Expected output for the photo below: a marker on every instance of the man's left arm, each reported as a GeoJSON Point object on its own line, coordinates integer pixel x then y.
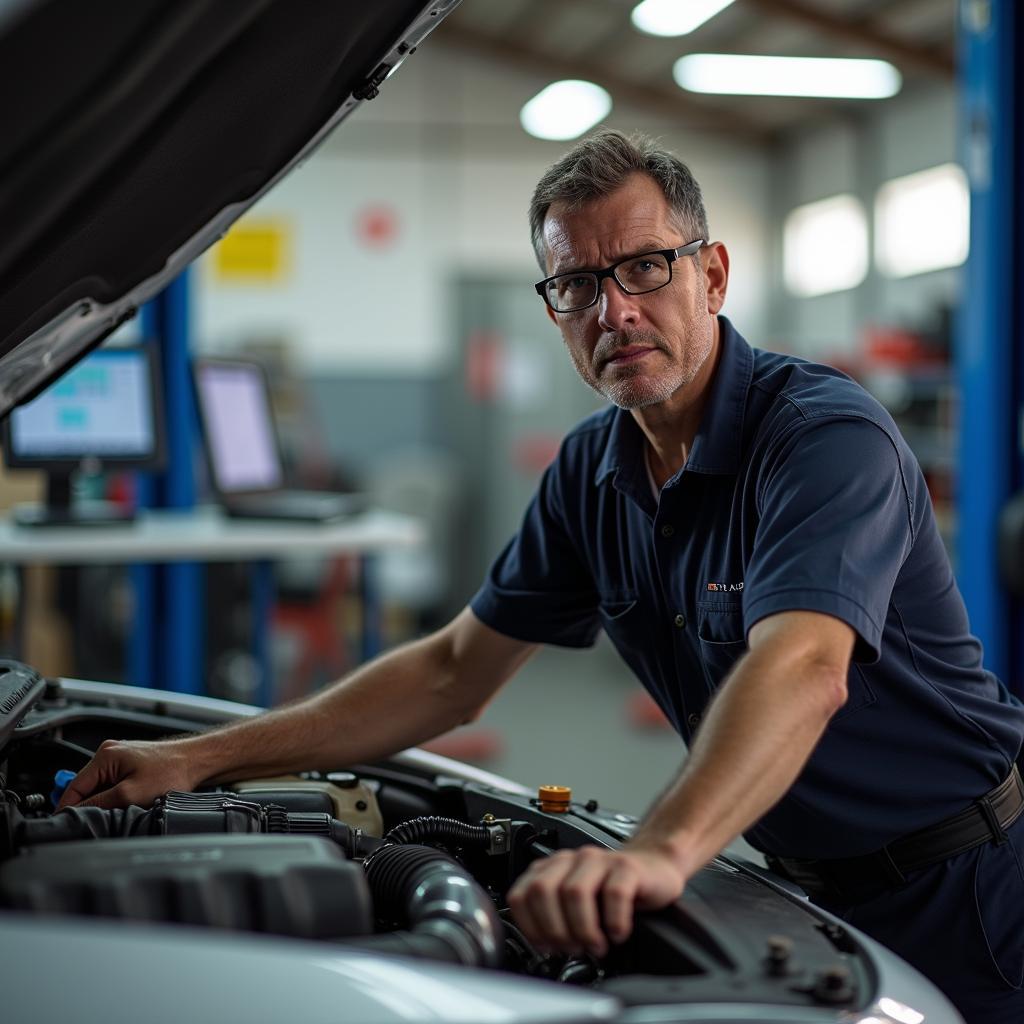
{"type": "Point", "coordinates": [756, 737]}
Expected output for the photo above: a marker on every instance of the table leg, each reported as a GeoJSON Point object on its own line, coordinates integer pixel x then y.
{"type": "Point", "coordinates": [262, 585]}
{"type": "Point", "coordinates": [372, 639]}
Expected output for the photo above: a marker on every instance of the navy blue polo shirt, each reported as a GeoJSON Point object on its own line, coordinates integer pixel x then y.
{"type": "Point", "coordinates": [799, 493]}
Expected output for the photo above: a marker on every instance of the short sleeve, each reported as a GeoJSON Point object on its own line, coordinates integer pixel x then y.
{"type": "Point", "coordinates": [834, 529]}
{"type": "Point", "coordinates": [539, 588]}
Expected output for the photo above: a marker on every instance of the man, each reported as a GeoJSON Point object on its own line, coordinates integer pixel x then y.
{"type": "Point", "coordinates": [747, 527]}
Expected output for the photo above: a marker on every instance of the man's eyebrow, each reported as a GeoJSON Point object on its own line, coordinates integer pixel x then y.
{"type": "Point", "coordinates": [652, 246]}
{"type": "Point", "coordinates": [573, 270]}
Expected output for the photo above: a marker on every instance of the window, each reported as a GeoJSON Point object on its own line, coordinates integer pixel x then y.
{"type": "Point", "coordinates": [922, 221]}
{"type": "Point", "coordinates": [825, 246]}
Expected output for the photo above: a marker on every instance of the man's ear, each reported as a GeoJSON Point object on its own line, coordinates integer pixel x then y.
{"type": "Point", "coordinates": [551, 314]}
{"type": "Point", "coordinates": [715, 259]}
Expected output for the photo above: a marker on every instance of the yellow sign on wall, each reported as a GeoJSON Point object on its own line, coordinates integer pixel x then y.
{"type": "Point", "coordinates": [253, 250]}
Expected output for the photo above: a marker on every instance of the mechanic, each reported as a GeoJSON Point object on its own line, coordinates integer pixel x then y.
{"type": "Point", "coordinates": [756, 538]}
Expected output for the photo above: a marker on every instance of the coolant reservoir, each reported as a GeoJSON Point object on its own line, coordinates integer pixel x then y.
{"type": "Point", "coordinates": [353, 801]}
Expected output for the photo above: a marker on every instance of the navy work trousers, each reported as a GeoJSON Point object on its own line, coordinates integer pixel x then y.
{"type": "Point", "coordinates": [961, 924]}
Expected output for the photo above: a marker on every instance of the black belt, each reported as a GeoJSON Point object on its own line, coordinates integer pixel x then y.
{"type": "Point", "coordinates": [850, 877]}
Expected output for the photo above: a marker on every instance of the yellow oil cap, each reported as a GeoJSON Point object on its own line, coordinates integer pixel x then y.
{"type": "Point", "coordinates": [554, 799]}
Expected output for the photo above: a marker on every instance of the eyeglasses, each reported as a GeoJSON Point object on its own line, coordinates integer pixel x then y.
{"type": "Point", "coordinates": [635, 275]}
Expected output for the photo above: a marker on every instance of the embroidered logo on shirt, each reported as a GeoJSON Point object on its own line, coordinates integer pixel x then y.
{"type": "Point", "coordinates": [725, 586]}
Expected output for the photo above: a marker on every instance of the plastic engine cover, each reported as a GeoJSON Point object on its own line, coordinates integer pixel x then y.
{"type": "Point", "coordinates": [300, 886]}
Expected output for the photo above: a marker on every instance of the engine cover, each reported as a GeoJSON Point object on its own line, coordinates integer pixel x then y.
{"type": "Point", "coordinates": [300, 886]}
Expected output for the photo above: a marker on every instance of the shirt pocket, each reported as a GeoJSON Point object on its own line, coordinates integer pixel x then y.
{"type": "Point", "coordinates": [721, 638]}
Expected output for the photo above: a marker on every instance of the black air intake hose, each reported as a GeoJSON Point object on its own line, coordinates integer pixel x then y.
{"type": "Point", "coordinates": [87, 823]}
{"type": "Point", "coordinates": [448, 915]}
{"type": "Point", "coordinates": [178, 814]}
{"type": "Point", "coordinates": [442, 830]}
{"type": "Point", "coordinates": [175, 814]}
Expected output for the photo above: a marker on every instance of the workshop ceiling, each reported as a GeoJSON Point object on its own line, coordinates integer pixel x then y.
{"type": "Point", "coordinates": [595, 40]}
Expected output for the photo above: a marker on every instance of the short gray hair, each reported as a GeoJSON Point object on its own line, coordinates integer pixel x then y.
{"type": "Point", "coordinates": [600, 165]}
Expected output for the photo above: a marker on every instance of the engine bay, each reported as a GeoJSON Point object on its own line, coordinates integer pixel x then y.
{"type": "Point", "coordinates": [410, 857]}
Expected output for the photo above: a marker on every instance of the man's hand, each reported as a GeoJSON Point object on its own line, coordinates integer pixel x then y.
{"type": "Point", "coordinates": [583, 899]}
{"type": "Point", "coordinates": [122, 774]}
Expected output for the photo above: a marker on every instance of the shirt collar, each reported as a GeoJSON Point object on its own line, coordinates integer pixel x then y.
{"type": "Point", "coordinates": [716, 448]}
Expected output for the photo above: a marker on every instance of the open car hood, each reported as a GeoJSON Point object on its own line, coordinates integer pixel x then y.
{"type": "Point", "coordinates": [142, 129]}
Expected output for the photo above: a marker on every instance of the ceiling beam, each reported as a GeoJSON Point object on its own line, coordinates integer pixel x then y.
{"type": "Point", "coordinates": [937, 62]}
{"type": "Point", "coordinates": [673, 103]}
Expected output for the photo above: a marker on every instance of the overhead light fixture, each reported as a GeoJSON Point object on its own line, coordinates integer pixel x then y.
{"type": "Point", "coordinates": [565, 110]}
{"type": "Point", "coordinates": [673, 17]}
{"type": "Point", "coordinates": [737, 74]}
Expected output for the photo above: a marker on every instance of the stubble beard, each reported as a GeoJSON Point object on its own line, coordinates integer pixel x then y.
{"type": "Point", "coordinates": [633, 389]}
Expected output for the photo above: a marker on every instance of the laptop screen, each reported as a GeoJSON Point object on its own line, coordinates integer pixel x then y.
{"type": "Point", "coordinates": [237, 418]}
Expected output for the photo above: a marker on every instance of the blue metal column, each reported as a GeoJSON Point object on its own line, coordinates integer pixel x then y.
{"type": "Point", "coordinates": [181, 667]}
{"type": "Point", "coordinates": [988, 342]}
{"type": "Point", "coordinates": [166, 646]}
{"type": "Point", "coordinates": [141, 654]}
{"type": "Point", "coordinates": [261, 582]}
{"type": "Point", "coordinates": [373, 631]}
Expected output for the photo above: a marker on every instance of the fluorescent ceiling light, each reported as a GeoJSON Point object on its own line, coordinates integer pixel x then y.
{"type": "Point", "coordinates": [923, 221]}
{"type": "Point", "coordinates": [674, 17]}
{"type": "Point", "coordinates": [744, 75]}
{"type": "Point", "coordinates": [565, 110]}
{"type": "Point", "coordinates": [825, 246]}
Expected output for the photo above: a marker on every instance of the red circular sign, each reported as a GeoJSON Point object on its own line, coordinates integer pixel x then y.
{"type": "Point", "coordinates": [377, 225]}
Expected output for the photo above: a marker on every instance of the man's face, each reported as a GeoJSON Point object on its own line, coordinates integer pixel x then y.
{"type": "Point", "coordinates": [635, 350]}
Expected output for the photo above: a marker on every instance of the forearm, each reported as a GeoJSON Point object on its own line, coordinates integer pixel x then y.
{"type": "Point", "coordinates": [755, 740]}
{"type": "Point", "coordinates": [396, 701]}
{"type": "Point", "coordinates": [402, 698]}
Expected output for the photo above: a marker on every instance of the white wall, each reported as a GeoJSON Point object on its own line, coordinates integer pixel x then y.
{"type": "Point", "coordinates": [442, 147]}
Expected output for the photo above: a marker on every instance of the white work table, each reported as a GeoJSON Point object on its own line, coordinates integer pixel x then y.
{"type": "Point", "coordinates": [204, 534]}
{"type": "Point", "coordinates": [169, 654]}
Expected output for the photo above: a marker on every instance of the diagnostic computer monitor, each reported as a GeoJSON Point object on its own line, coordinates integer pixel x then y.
{"type": "Point", "coordinates": [104, 414]}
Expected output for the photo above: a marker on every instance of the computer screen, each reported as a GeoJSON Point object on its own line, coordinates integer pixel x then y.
{"type": "Point", "coordinates": [234, 404]}
{"type": "Point", "coordinates": [104, 410]}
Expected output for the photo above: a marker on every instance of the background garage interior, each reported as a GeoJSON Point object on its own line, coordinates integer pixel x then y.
{"type": "Point", "coordinates": [387, 287]}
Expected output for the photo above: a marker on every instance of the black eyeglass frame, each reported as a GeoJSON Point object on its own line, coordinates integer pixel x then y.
{"type": "Point", "coordinates": [671, 255]}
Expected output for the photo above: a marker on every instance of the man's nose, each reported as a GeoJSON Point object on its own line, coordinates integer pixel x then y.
{"type": "Point", "coordinates": [616, 308]}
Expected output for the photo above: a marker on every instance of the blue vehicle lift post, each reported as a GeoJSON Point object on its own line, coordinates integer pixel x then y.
{"type": "Point", "coordinates": [989, 364]}
{"type": "Point", "coordinates": [165, 647]}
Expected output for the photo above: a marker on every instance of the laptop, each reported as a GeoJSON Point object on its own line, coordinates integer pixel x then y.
{"type": "Point", "coordinates": [242, 449]}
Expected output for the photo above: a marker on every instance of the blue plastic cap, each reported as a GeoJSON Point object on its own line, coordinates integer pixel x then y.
{"type": "Point", "coordinates": [60, 783]}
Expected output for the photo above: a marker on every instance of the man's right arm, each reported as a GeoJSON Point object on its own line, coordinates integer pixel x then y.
{"type": "Point", "coordinates": [404, 697]}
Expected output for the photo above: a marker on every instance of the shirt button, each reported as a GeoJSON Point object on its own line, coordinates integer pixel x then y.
{"type": "Point", "coordinates": [680, 620]}
{"type": "Point", "coordinates": [693, 721]}
{"type": "Point", "coordinates": [667, 530]}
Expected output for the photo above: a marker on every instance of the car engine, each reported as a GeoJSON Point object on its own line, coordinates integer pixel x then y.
{"type": "Point", "coordinates": [401, 857]}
